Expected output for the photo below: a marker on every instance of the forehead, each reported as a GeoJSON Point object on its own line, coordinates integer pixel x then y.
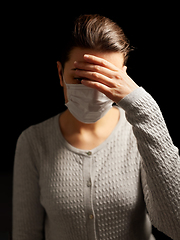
{"type": "Point", "coordinates": [77, 54]}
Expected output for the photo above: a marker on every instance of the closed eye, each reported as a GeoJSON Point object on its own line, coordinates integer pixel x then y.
{"type": "Point", "coordinates": [79, 79]}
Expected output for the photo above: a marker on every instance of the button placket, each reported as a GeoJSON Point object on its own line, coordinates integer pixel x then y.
{"type": "Point", "coordinates": [88, 201]}
{"type": "Point", "coordinates": [89, 183]}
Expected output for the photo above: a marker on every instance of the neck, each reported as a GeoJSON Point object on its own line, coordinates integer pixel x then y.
{"type": "Point", "coordinates": [71, 123]}
{"type": "Point", "coordinates": [80, 127]}
{"type": "Point", "coordinates": [88, 136]}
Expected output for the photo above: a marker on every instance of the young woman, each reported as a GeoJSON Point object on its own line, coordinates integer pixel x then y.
{"type": "Point", "coordinates": [97, 171]}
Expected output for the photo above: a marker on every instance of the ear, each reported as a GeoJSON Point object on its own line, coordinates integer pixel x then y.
{"type": "Point", "coordinates": [60, 72]}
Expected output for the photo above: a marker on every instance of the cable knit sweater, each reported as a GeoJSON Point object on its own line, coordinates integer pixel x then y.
{"type": "Point", "coordinates": [114, 191]}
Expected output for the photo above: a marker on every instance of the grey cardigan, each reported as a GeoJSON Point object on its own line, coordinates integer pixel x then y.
{"type": "Point", "coordinates": [114, 191]}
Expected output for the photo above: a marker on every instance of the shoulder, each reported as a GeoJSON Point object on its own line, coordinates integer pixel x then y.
{"type": "Point", "coordinates": [124, 126]}
{"type": "Point", "coordinates": [127, 142]}
{"type": "Point", "coordinates": [39, 134]}
{"type": "Point", "coordinates": [125, 130]}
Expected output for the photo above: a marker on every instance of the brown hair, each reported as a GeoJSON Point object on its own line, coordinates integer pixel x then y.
{"type": "Point", "coordinates": [98, 33]}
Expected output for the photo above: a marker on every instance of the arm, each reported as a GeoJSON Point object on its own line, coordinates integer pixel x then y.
{"type": "Point", "coordinates": [160, 159]}
{"type": "Point", "coordinates": [28, 214]}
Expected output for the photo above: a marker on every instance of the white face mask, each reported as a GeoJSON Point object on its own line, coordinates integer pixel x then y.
{"type": "Point", "coordinates": [86, 104]}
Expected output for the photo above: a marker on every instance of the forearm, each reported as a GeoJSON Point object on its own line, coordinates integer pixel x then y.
{"type": "Point", "coordinates": [154, 142]}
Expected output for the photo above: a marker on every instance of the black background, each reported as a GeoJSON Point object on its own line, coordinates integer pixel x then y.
{"type": "Point", "coordinates": [32, 37]}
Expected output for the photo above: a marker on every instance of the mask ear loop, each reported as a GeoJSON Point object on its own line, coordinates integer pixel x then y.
{"type": "Point", "coordinates": [64, 81]}
{"type": "Point", "coordinates": [63, 78]}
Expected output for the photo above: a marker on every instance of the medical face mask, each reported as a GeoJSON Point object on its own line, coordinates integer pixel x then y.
{"type": "Point", "coordinates": [86, 104]}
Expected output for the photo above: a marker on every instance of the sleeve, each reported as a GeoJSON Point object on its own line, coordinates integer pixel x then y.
{"type": "Point", "coordinates": [160, 169]}
{"type": "Point", "coordinates": [28, 213]}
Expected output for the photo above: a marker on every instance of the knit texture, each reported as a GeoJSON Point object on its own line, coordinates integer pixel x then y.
{"type": "Point", "coordinates": [109, 192]}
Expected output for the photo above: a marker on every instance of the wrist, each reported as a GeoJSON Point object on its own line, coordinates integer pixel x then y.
{"type": "Point", "coordinates": [132, 97]}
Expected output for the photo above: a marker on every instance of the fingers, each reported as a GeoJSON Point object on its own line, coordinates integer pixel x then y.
{"type": "Point", "coordinates": [99, 61]}
{"type": "Point", "coordinates": [93, 68]}
{"type": "Point", "coordinates": [94, 76]}
{"type": "Point", "coordinates": [97, 85]}
{"type": "Point", "coordinates": [100, 74]}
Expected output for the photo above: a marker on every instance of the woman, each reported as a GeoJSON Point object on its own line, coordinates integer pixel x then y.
{"type": "Point", "coordinates": [97, 171]}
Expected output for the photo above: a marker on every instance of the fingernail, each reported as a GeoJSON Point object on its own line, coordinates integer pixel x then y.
{"type": "Point", "coordinates": [86, 56]}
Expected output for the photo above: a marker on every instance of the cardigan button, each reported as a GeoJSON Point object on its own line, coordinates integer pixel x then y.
{"type": "Point", "coordinates": [91, 216]}
{"type": "Point", "coordinates": [89, 183]}
{"type": "Point", "coordinates": [89, 153]}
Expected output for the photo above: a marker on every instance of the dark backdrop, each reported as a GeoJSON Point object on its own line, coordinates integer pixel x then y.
{"type": "Point", "coordinates": [33, 36]}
